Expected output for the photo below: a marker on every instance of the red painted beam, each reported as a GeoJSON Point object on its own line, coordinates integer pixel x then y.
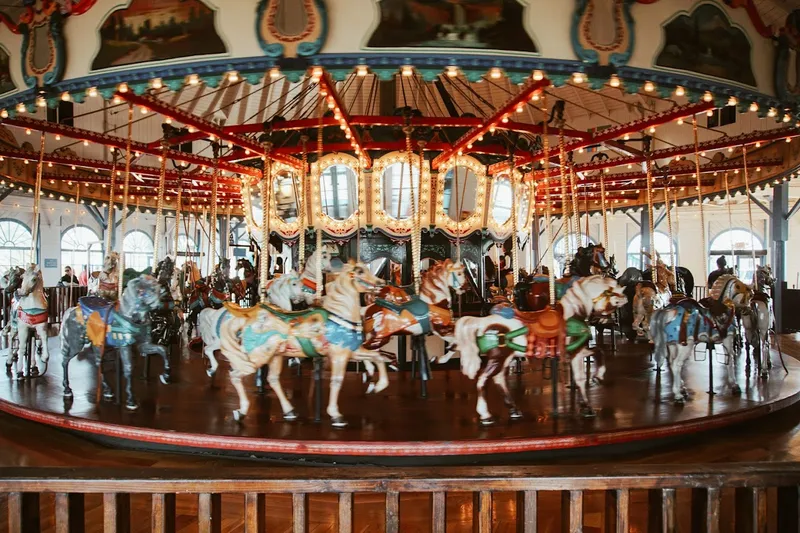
{"type": "Point", "coordinates": [120, 143]}
{"type": "Point", "coordinates": [531, 87]}
{"type": "Point", "coordinates": [615, 132]}
{"type": "Point", "coordinates": [328, 90]}
{"type": "Point", "coordinates": [154, 104]}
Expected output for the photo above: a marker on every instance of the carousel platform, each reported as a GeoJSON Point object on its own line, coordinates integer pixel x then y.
{"type": "Point", "coordinates": [193, 414]}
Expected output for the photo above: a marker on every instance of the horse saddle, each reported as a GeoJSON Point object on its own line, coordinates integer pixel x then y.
{"type": "Point", "coordinates": [760, 296]}
{"type": "Point", "coordinates": [251, 313]}
{"type": "Point", "coordinates": [545, 324]}
{"type": "Point", "coordinates": [648, 285]}
{"type": "Point", "coordinates": [103, 324]}
{"type": "Point", "coordinates": [396, 295]}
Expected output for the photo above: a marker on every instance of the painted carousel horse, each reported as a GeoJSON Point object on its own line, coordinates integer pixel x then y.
{"type": "Point", "coordinates": [589, 261]}
{"type": "Point", "coordinates": [757, 321]}
{"type": "Point", "coordinates": [282, 292]}
{"type": "Point", "coordinates": [678, 327]}
{"type": "Point", "coordinates": [31, 316]}
{"type": "Point", "coordinates": [249, 280]}
{"type": "Point", "coordinates": [263, 335]}
{"type": "Point", "coordinates": [105, 285]}
{"type": "Point", "coordinates": [101, 325]}
{"type": "Point", "coordinates": [166, 321]}
{"type": "Point", "coordinates": [210, 292]}
{"type": "Point", "coordinates": [309, 275]}
{"type": "Point", "coordinates": [395, 312]}
{"type": "Point", "coordinates": [488, 344]}
{"type": "Point", "coordinates": [10, 281]}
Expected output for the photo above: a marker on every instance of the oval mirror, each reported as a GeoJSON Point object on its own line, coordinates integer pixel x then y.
{"type": "Point", "coordinates": [460, 193]}
{"type": "Point", "coordinates": [338, 191]}
{"type": "Point", "coordinates": [501, 200]}
{"type": "Point", "coordinates": [285, 194]}
{"type": "Point", "coordinates": [255, 202]}
{"type": "Point", "coordinates": [397, 189]}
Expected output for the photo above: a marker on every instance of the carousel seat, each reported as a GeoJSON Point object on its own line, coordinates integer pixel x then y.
{"type": "Point", "coordinates": [760, 296]}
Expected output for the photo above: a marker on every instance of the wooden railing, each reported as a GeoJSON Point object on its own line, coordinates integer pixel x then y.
{"type": "Point", "coordinates": [757, 497]}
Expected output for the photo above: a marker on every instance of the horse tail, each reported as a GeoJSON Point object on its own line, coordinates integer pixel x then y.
{"type": "Point", "coordinates": [231, 345]}
{"type": "Point", "coordinates": [466, 332]}
{"type": "Point", "coordinates": [659, 335]}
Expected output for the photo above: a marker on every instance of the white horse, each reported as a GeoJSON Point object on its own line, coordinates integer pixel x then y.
{"type": "Point", "coordinates": [282, 292]}
{"type": "Point", "coordinates": [31, 315]}
{"type": "Point", "coordinates": [505, 333]}
{"type": "Point", "coordinates": [259, 336]}
{"type": "Point", "coordinates": [308, 277]}
{"type": "Point", "coordinates": [757, 321]}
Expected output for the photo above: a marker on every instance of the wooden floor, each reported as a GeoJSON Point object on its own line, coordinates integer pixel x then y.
{"type": "Point", "coordinates": [773, 438]}
{"type": "Point", "coordinates": [633, 405]}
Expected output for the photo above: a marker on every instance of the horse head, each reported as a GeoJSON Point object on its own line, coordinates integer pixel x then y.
{"type": "Point", "coordinates": [165, 271]}
{"type": "Point", "coordinates": [11, 279]}
{"type": "Point", "coordinates": [31, 280]}
{"type": "Point", "coordinates": [600, 295]}
{"type": "Point", "coordinates": [142, 295]}
{"type": "Point", "coordinates": [456, 275]}
{"type": "Point", "coordinates": [361, 277]}
{"type": "Point", "coordinates": [764, 277]}
{"type": "Point", "coordinates": [111, 262]}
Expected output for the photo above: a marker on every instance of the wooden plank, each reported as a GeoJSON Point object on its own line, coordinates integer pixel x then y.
{"type": "Point", "coordinates": [751, 510]}
{"type": "Point", "coordinates": [392, 512]}
{"type": "Point", "coordinates": [760, 503]}
{"type": "Point", "coordinates": [254, 513]}
{"type": "Point", "coordinates": [572, 511]}
{"type": "Point", "coordinates": [346, 512]}
{"type": "Point", "coordinates": [23, 512]}
{"type": "Point", "coordinates": [655, 505]}
{"type": "Point", "coordinates": [789, 508]}
{"type": "Point", "coordinates": [70, 513]}
{"type": "Point", "coordinates": [162, 518]}
{"type": "Point", "coordinates": [438, 512]}
{"type": "Point", "coordinates": [668, 522]}
{"type": "Point", "coordinates": [527, 515]}
{"type": "Point", "coordinates": [209, 513]}
{"type": "Point", "coordinates": [482, 512]}
{"type": "Point", "coordinates": [299, 513]}
{"type": "Point", "coordinates": [622, 500]}
{"type": "Point", "coordinates": [116, 513]}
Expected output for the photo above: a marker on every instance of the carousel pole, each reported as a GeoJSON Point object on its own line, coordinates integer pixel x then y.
{"type": "Point", "coordinates": [110, 229]}
{"type": "Point", "coordinates": [421, 144]}
{"type": "Point", "coordinates": [125, 189]}
{"type": "Point", "coordinates": [651, 223]}
{"type": "Point", "coordinates": [302, 206]}
{"type": "Point", "coordinates": [605, 212]}
{"type": "Point", "coordinates": [320, 149]}
{"type": "Point", "coordinates": [178, 219]}
{"type": "Point", "coordinates": [74, 225]}
{"type": "Point", "coordinates": [700, 198]}
{"type": "Point", "coordinates": [266, 173]}
{"type": "Point", "coordinates": [160, 203]}
{"type": "Point", "coordinates": [212, 229]}
{"type": "Point", "coordinates": [672, 258]}
{"type": "Point", "coordinates": [730, 217]}
{"type": "Point", "coordinates": [414, 202]}
{"type": "Point", "coordinates": [36, 196]}
{"type": "Point", "coordinates": [576, 210]}
{"type": "Point", "coordinates": [514, 226]}
{"type": "Point", "coordinates": [750, 215]}
{"type": "Point", "coordinates": [566, 195]}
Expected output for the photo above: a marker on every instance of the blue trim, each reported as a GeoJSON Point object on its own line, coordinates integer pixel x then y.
{"type": "Point", "coordinates": [56, 26]}
{"type": "Point", "coordinates": [589, 55]}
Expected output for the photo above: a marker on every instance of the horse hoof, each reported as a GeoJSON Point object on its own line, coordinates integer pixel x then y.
{"type": "Point", "coordinates": [131, 406]}
{"type": "Point", "coordinates": [736, 390]}
{"type": "Point", "coordinates": [68, 394]}
{"type": "Point", "coordinates": [364, 377]}
{"type": "Point", "coordinates": [338, 422]}
{"type": "Point", "coordinates": [596, 381]}
{"type": "Point", "coordinates": [680, 400]}
{"type": "Point", "coordinates": [237, 415]}
{"type": "Point", "coordinates": [515, 414]}
{"type": "Point", "coordinates": [34, 371]}
{"type": "Point", "coordinates": [164, 378]}
{"type": "Point", "coordinates": [764, 375]}
{"type": "Point", "coordinates": [588, 412]}
{"type": "Point", "coordinates": [371, 388]}
{"type": "Point", "coordinates": [210, 373]}
{"type": "Point", "coordinates": [108, 396]}
{"type": "Point", "coordinates": [488, 421]}
{"type": "Point", "coordinates": [291, 415]}
{"type": "Point", "coordinates": [20, 376]}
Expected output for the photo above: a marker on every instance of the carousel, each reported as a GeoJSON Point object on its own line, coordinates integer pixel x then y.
{"type": "Point", "coordinates": [401, 218]}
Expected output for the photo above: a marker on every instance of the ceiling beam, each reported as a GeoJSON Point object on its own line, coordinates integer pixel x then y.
{"type": "Point", "coordinates": [202, 125]}
{"type": "Point", "coordinates": [327, 88]}
{"type": "Point", "coordinates": [464, 143]}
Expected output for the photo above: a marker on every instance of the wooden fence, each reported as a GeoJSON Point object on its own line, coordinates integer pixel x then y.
{"type": "Point", "coordinates": [22, 488]}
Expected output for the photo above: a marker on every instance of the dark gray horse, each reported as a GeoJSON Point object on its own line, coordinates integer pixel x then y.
{"type": "Point", "coordinates": [100, 325]}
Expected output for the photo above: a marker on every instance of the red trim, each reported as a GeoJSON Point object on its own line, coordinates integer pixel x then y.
{"type": "Point", "coordinates": [388, 448]}
{"type": "Point", "coordinates": [327, 85]}
{"type": "Point", "coordinates": [310, 284]}
{"type": "Point", "coordinates": [32, 320]}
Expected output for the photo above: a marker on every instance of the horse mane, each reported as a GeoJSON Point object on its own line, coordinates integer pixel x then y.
{"type": "Point", "coordinates": [576, 295]}
{"type": "Point", "coordinates": [339, 297]}
{"type": "Point", "coordinates": [719, 285]}
{"type": "Point", "coordinates": [434, 281]}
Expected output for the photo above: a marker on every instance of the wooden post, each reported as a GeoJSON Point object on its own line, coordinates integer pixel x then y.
{"type": "Point", "coordinates": [392, 512]}
{"type": "Point", "coordinates": [209, 513]}
{"type": "Point", "coordinates": [70, 513]}
{"type": "Point", "coordinates": [23, 512]}
{"type": "Point", "coordinates": [346, 512]}
{"type": "Point", "coordinates": [439, 512]}
{"type": "Point", "coordinates": [163, 513]}
{"type": "Point", "coordinates": [299, 513]}
{"type": "Point", "coordinates": [254, 513]}
{"type": "Point", "coordinates": [572, 511]}
{"type": "Point", "coordinates": [482, 512]}
{"type": "Point", "coordinates": [527, 515]}
{"type": "Point", "coordinates": [116, 513]}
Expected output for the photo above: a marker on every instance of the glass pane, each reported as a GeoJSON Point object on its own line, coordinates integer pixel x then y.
{"type": "Point", "coordinates": [338, 192]}
{"type": "Point", "coordinates": [501, 200]}
{"type": "Point", "coordinates": [397, 189]}
{"type": "Point", "coordinates": [460, 193]}
{"type": "Point", "coordinates": [285, 197]}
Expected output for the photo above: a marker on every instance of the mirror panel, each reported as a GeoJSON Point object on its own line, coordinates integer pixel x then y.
{"type": "Point", "coordinates": [338, 191]}
{"type": "Point", "coordinates": [460, 193]}
{"type": "Point", "coordinates": [397, 189]}
{"type": "Point", "coordinates": [285, 196]}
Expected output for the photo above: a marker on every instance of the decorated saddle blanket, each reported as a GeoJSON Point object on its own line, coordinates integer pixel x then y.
{"type": "Point", "coordinates": [104, 325]}
{"type": "Point", "coordinates": [395, 294]}
{"type": "Point", "coordinates": [692, 321]}
{"type": "Point", "coordinates": [31, 317]}
{"type": "Point", "coordinates": [413, 308]}
{"type": "Point", "coordinates": [313, 329]}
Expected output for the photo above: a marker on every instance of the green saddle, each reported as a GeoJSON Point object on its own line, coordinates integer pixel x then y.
{"type": "Point", "coordinates": [288, 316]}
{"type": "Point", "coordinates": [418, 309]}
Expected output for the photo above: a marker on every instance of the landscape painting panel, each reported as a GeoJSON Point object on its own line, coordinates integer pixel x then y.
{"type": "Point", "coordinates": [705, 42]}
{"type": "Point", "coordinates": [6, 83]}
{"type": "Point", "coordinates": [485, 24]}
{"type": "Point", "coordinates": [155, 30]}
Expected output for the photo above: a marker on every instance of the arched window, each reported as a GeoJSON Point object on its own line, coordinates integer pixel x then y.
{"type": "Point", "coordinates": [397, 189]}
{"type": "Point", "coordinates": [660, 241]}
{"type": "Point", "coordinates": [15, 244]}
{"type": "Point", "coordinates": [81, 246]}
{"type": "Point", "coordinates": [560, 252]}
{"type": "Point", "coordinates": [138, 248]}
{"type": "Point", "coordinates": [501, 201]}
{"type": "Point", "coordinates": [187, 249]}
{"type": "Point", "coordinates": [738, 240]}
